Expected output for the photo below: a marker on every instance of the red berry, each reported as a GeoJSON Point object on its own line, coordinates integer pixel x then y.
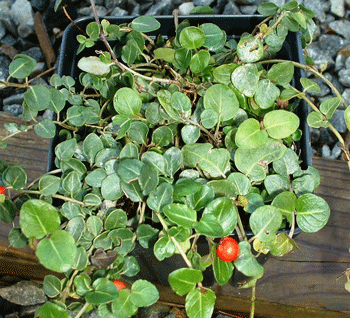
{"type": "Point", "coordinates": [119, 284]}
{"type": "Point", "coordinates": [3, 190]}
{"type": "Point", "coordinates": [227, 249]}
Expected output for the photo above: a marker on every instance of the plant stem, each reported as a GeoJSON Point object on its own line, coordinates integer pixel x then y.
{"type": "Point", "coordinates": [165, 226]}
{"type": "Point", "coordinates": [57, 196]}
{"type": "Point", "coordinates": [241, 227]}
{"type": "Point", "coordinates": [82, 310]}
{"type": "Point", "coordinates": [17, 132]}
{"type": "Point", "coordinates": [291, 233]}
{"type": "Point", "coordinates": [252, 299]}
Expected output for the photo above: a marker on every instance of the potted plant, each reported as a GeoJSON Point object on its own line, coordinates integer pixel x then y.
{"type": "Point", "coordinates": [163, 143]}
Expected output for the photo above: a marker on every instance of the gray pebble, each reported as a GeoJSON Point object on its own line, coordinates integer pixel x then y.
{"type": "Point", "coordinates": [339, 62]}
{"type": "Point", "coordinates": [278, 2]}
{"type": "Point", "coordinates": [324, 88]}
{"type": "Point", "coordinates": [320, 56]}
{"type": "Point", "coordinates": [110, 4]}
{"type": "Point", "coordinates": [163, 7]}
{"type": "Point", "coordinates": [24, 30]}
{"type": "Point", "coordinates": [154, 311]}
{"type": "Point", "coordinates": [338, 7]}
{"type": "Point", "coordinates": [248, 9]}
{"type": "Point", "coordinates": [14, 109]}
{"type": "Point", "coordinates": [338, 121]}
{"type": "Point", "coordinates": [317, 7]}
{"type": "Point", "coordinates": [346, 95]}
{"type": "Point", "coordinates": [347, 63]}
{"type": "Point", "coordinates": [119, 12]}
{"type": "Point", "coordinates": [331, 43]}
{"type": "Point", "coordinates": [14, 99]}
{"type": "Point", "coordinates": [231, 8]}
{"type": "Point", "coordinates": [326, 151]}
{"type": "Point", "coordinates": [87, 11]}
{"type": "Point", "coordinates": [35, 53]}
{"type": "Point", "coordinates": [40, 5]}
{"type": "Point", "coordinates": [2, 30]}
{"type": "Point", "coordinates": [186, 8]}
{"type": "Point", "coordinates": [22, 13]}
{"type": "Point", "coordinates": [9, 39]}
{"type": "Point", "coordinates": [203, 2]}
{"type": "Point", "coordinates": [4, 65]}
{"type": "Point", "coordinates": [336, 152]}
{"type": "Point", "coordinates": [342, 27]}
{"type": "Point", "coordinates": [344, 77]}
{"type": "Point", "coordinates": [335, 82]}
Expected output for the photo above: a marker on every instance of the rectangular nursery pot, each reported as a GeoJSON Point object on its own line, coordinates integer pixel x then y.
{"type": "Point", "coordinates": [234, 26]}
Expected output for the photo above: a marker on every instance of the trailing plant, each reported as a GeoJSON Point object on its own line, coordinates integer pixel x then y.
{"type": "Point", "coordinates": [166, 143]}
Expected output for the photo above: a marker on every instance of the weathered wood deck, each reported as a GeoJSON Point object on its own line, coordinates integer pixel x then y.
{"type": "Point", "coordinates": [304, 283]}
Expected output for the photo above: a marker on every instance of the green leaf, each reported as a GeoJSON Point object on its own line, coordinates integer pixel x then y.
{"type": "Point", "coordinates": [93, 65]}
{"type": "Point", "coordinates": [283, 245]}
{"type": "Point", "coordinates": [164, 53]}
{"type": "Point", "coordinates": [162, 136]}
{"type": "Point", "coordinates": [209, 118]}
{"type": "Point", "coordinates": [245, 78]}
{"type": "Point", "coordinates": [15, 176]}
{"type": "Point", "coordinates": [250, 49]}
{"type": "Point", "coordinates": [130, 169]}
{"type": "Point", "coordinates": [77, 115]}
{"type": "Point", "coordinates": [246, 263]}
{"type": "Point", "coordinates": [52, 286]}
{"type": "Point", "coordinates": [267, 9]}
{"type": "Point", "coordinates": [82, 283]}
{"type": "Point", "coordinates": [199, 61]}
{"type": "Point", "coordinates": [347, 117]}
{"type": "Point", "coordinates": [71, 182]}
{"type": "Point", "coordinates": [57, 252]}
{"type": "Point", "coordinates": [155, 159]}
{"type": "Point", "coordinates": [143, 293]}
{"type": "Point", "coordinates": [21, 66]}
{"type": "Point", "coordinates": [281, 73]}
{"type": "Point", "coordinates": [123, 123]}
{"type": "Point", "coordinates": [160, 197]}
{"type": "Point", "coordinates": [180, 102]}
{"type": "Point", "coordinates": [213, 162]}
{"type": "Point", "coordinates": [45, 128]}
{"type": "Point", "coordinates": [57, 101]}
{"type": "Point", "coordinates": [209, 226]}
{"type": "Point", "coordinates": [127, 102]}
{"type": "Point", "coordinates": [192, 37]}
{"type": "Point", "coordinates": [201, 198]}
{"type": "Point", "coordinates": [304, 184]}
{"type": "Point", "coordinates": [312, 212]}
{"type": "Point", "coordinates": [202, 10]}
{"type": "Point", "coordinates": [131, 267]}
{"type": "Point", "coordinates": [147, 235]}
{"type": "Point", "coordinates": [213, 34]}
{"type": "Point", "coordinates": [183, 57]}
{"type": "Point", "coordinates": [222, 270]}
{"type": "Point", "coordinates": [329, 106]}
{"type": "Point", "coordinates": [37, 97]}
{"type": "Point", "coordinates": [76, 226]}
{"type": "Point", "coordinates": [190, 134]}
{"type": "Point", "coordinates": [91, 146]}
{"type": "Point", "coordinates": [310, 85]}
{"type": "Point", "coordinates": [95, 177]}
{"type": "Point", "coordinates": [104, 291]}
{"type": "Point", "coordinates": [222, 73]}
{"type": "Point", "coordinates": [164, 248]}
{"type": "Point", "coordinates": [50, 310]}
{"type": "Point", "coordinates": [222, 100]}
{"type": "Point", "coordinates": [49, 185]}
{"type": "Point", "coordinates": [130, 52]}
{"type": "Point", "coordinates": [138, 132]}
{"type": "Point", "coordinates": [116, 219]}
{"type": "Point", "coordinates": [173, 157]}
{"type": "Point", "coordinates": [317, 120]}
{"type": "Point", "coordinates": [288, 164]}
{"type": "Point", "coordinates": [285, 202]}
{"type": "Point", "coordinates": [184, 280]}
{"type": "Point", "coordinates": [249, 134]}
{"type": "Point", "coordinates": [281, 123]}
{"type": "Point", "coordinates": [38, 218]}
{"type": "Point", "coordinates": [253, 162]}
{"type": "Point", "coordinates": [130, 151]}
{"type": "Point", "coordinates": [111, 187]}
{"type": "Point", "coordinates": [122, 306]}
{"type": "Point", "coordinates": [81, 259]}
{"type": "Point", "coordinates": [66, 149]}
{"type": "Point", "coordinates": [200, 304]}
{"type": "Point", "coordinates": [16, 237]}
{"type": "Point", "coordinates": [240, 183]}
{"type": "Point", "coordinates": [94, 225]}
{"type": "Point", "coordinates": [93, 31]}
{"type": "Point", "coordinates": [275, 184]}
{"type": "Point", "coordinates": [225, 212]}
{"type": "Point", "coordinates": [180, 214]}
{"type": "Point", "coordinates": [148, 179]}
{"type": "Point", "coordinates": [145, 24]}
{"type": "Point", "coordinates": [266, 94]}
{"type": "Point", "coordinates": [265, 222]}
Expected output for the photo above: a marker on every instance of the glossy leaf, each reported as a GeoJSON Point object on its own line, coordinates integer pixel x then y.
{"type": "Point", "coordinates": [143, 293]}
{"type": "Point", "coordinates": [49, 185]}
{"type": "Point", "coordinates": [285, 202]}
{"type": "Point", "coordinates": [312, 212]}
{"type": "Point", "coordinates": [246, 263]}
{"type": "Point", "coordinates": [245, 78]}
{"type": "Point", "coordinates": [282, 245]}
{"type": "Point", "coordinates": [104, 291]}
{"type": "Point", "coordinates": [147, 235]}
{"type": "Point", "coordinates": [122, 306]}
{"type": "Point", "coordinates": [192, 37]}
{"type": "Point", "coordinates": [71, 182]}
{"type": "Point", "coordinates": [180, 214]}
{"type": "Point", "coordinates": [329, 106]}
{"type": "Point", "coordinates": [15, 176]}
{"type": "Point", "coordinates": [281, 123]}
{"type": "Point", "coordinates": [138, 132]}
{"type": "Point", "coordinates": [93, 65]}
{"type": "Point", "coordinates": [164, 248]}
{"type": "Point", "coordinates": [160, 197]}
{"type": "Point", "coordinates": [148, 179]}
{"type": "Point", "coordinates": [190, 134]}
{"type": "Point", "coordinates": [184, 280]}
{"type": "Point", "coordinates": [281, 73]}
{"type": "Point", "coordinates": [222, 100]}
{"type": "Point", "coordinates": [250, 49]}
{"type": "Point", "coordinates": [165, 53]}
{"type": "Point", "coordinates": [249, 134]}
{"type": "Point", "coordinates": [130, 169]}
{"type": "Point", "coordinates": [66, 149]}
{"type": "Point", "coordinates": [310, 85]}
{"type": "Point", "coordinates": [266, 94]}
{"type": "Point", "coordinates": [180, 102]}
{"type": "Point", "coordinates": [45, 128]}
{"type": "Point", "coordinates": [275, 184]}
{"type": "Point", "coordinates": [162, 136]}
{"type": "Point", "coordinates": [95, 177]}
{"type": "Point", "coordinates": [209, 225]}
{"type": "Point", "coordinates": [51, 310]}
{"type": "Point", "coordinates": [240, 182]}
{"type": "Point", "coordinates": [76, 227]}
{"type": "Point", "coordinates": [223, 271]}
{"type": "Point", "coordinates": [52, 286]}
{"type": "Point", "coordinates": [57, 252]}
{"type": "Point", "coordinates": [213, 34]}
{"type": "Point", "coordinates": [127, 102]}
{"type": "Point", "coordinates": [199, 61]}
{"type": "Point", "coordinates": [16, 237]}
{"type": "Point", "coordinates": [265, 222]}
{"type": "Point", "coordinates": [38, 218]}
{"type": "Point", "coordinates": [288, 164]}
{"type": "Point", "coordinates": [8, 211]}
{"type": "Point", "coordinates": [111, 187]}
{"type": "Point", "coordinates": [200, 304]}
{"type": "Point", "coordinates": [145, 24]}
{"type": "Point", "coordinates": [316, 120]}
{"type": "Point", "coordinates": [222, 73]}
{"type": "Point", "coordinates": [173, 157]}
{"type": "Point", "coordinates": [21, 66]}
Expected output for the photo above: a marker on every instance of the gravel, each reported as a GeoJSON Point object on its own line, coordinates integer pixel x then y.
{"type": "Point", "coordinates": [331, 48]}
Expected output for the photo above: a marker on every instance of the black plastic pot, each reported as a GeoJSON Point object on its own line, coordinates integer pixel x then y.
{"type": "Point", "coordinates": [234, 26]}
